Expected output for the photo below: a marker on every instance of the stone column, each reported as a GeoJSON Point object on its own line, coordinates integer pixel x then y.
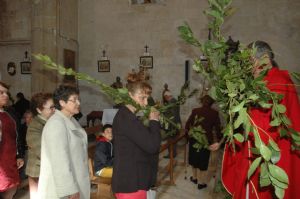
{"type": "Point", "coordinates": [44, 40]}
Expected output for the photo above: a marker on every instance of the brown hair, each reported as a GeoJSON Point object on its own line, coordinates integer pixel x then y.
{"type": "Point", "coordinates": [136, 81]}
{"type": "Point", "coordinates": [4, 85]}
{"type": "Point", "coordinates": [38, 100]}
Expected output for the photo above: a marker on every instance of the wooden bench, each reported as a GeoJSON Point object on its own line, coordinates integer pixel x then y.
{"type": "Point", "coordinates": [103, 184]}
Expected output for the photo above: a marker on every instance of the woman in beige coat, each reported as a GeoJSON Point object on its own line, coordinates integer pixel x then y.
{"type": "Point", "coordinates": [42, 107]}
{"type": "Point", "coordinates": [64, 161]}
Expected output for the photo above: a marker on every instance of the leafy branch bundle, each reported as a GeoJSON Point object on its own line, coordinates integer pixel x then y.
{"type": "Point", "coordinates": [199, 134]}
{"type": "Point", "coordinates": [121, 96]}
{"type": "Point", "coordinates": [236, 90]}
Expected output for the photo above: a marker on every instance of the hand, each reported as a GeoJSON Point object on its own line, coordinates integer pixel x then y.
{"type": "Point", "coordinates": [20, 163]}
{"type": "Point", "coordinates": [74, 196]}
{"type": "Point", "coordinates": [154, 115]}
{"type": "Point", "coordinates": [214, 146]}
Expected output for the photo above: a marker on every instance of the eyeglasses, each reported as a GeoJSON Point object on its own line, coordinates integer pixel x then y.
{"type": "Point", "coordinates": [74, 100]}
{"type": "Point", "coordinates": [51, 107]}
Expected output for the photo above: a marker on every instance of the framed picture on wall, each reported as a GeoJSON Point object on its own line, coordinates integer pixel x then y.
{"type": "Point", "coordinates": [25, 67]}
{"type": "Point", "coordinates": [103, 66]}
{"type": "Point", "coordinates": [146, 61]}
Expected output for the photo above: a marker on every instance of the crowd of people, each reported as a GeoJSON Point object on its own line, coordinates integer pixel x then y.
{"type": "Point", "coordinates": [44, 134]}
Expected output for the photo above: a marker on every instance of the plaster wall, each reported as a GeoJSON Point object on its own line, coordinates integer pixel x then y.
{"type": "Point", "coordinates": [123, 30]}
{"type": "Point", "coordinates": [15, 36]}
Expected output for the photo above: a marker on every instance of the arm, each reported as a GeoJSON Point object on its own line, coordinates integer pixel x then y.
{"type": "Point", "coordinates": [34, 134]}
{"type": "Point", "coordinates": [56, 142]}
{"type": "Point", "coordinates": [147, 138]}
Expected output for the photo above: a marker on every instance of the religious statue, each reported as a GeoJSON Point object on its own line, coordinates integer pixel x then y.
{"type": "Point", "coordinates": [117, 83]}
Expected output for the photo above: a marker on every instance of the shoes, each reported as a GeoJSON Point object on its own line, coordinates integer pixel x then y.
{"type": "Point", "coordinates": [193, 180]}
{"type": "Point", "coordinates": [202, 186]}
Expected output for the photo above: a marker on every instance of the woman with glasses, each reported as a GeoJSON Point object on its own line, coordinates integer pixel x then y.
{"type": "Point", "coordinates": [64, 160]}
{"type": "Point", "coordinates": [42, 107]}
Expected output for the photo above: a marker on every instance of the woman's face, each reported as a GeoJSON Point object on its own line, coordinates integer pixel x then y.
{"type": "Point", "coordinates": [140, 97]}
{"type": "Point", "coordinates": [71, 106]}
{"type": "Point", "coordinates": [3, 96]}
{"type": "Point", "coordinates": [48, 109]}
{"type": "Point", "coordinates": [261, 64]}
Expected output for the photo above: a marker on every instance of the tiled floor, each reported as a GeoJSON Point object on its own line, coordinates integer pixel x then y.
{"type": "Point", "coordinates": [183, 188]}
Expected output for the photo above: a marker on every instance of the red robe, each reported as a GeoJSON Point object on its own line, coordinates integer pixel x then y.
{"type": "Point", "coordinates": [235, 166]}
{"type": "Point", "coordinates": [9, 176]}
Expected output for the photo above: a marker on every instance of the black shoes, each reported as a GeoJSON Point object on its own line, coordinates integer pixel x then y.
{"type": "Point", "coordinates": [202, 186]}
{"type": "Point", "coordinates": [193, 180]}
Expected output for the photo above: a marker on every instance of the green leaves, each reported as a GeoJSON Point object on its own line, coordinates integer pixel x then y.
{"type": "Point", "coordinates": [278, 173]}
{"type": "Point", "coordinates": [242, 118]}
{"type": "Point", "coordinates": [236, 91]}
{"type": "Point", "coordinates": [265, 152]}
{"type": "Point", "coordinates": [254, 166]}
{"type": "Point", "coordinates": [186, 33]}
{"type": "Point", "coordinates": [199, 134]}
{"type": "Point", "coordinates": [239, 137]}
{"type": "Point", "coordinates": [238, 107]}
{"type": "Point", "coordinates": [264, 179]}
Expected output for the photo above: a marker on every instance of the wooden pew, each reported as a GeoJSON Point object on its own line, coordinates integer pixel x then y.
{"type": "Point", "coordinates": [103, 184]}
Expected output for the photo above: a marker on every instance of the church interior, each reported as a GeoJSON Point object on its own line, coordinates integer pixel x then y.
{"type": "Point", "coordinates": [107, 39]}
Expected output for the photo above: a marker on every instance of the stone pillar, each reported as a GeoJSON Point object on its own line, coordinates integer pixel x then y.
{"type": "Point", "coordinates": [54, 28]}
{"type": "Point", "coordinates": [44, 40]}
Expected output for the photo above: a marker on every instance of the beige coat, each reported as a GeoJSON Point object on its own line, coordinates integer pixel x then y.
{"type": "Point", "coordinates": [64, 159]}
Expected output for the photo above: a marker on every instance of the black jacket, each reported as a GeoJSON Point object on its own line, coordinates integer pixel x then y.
{"type": "Point", "coordinates": [103, 154]}
{"type": "Point", "coordinates": [134, 147]}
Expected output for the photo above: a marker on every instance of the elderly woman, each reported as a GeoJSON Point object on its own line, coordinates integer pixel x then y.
{"type": "Point", "coordinates": [42, 107]}
{"type": "Point", "coordinates": [199, 160]}
{"type": "Point", "coordinates": [9, 165]}
{"type": "Point", "coordinates": [64, 166]}
{"type": "Point", "coordinates": [135, 145]}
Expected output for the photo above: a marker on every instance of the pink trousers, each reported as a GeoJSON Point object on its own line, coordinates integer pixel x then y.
{"type": "Point", "coordinates": [140, 194]}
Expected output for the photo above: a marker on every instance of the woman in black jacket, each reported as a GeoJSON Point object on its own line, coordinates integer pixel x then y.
{"type": "Point", "coordinates": [134, 147]}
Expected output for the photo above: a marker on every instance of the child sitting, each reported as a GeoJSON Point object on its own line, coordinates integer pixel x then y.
{"type": "Point", "coordinates": [103, 159]}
